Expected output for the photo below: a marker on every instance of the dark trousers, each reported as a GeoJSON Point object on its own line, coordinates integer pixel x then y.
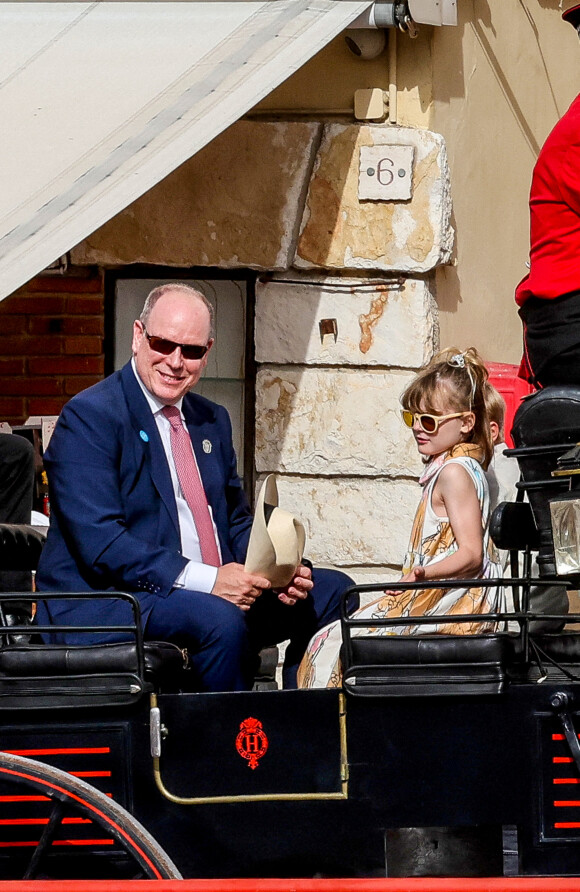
{"type": "Point", "coordinates": [552, 339]}
{"type": "Point", "coordinates": [223, 641]}
{"type": "Point", "coordinates": [16, 492]}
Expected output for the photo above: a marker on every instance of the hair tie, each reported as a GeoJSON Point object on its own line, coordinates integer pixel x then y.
{"type": "Point", "coordinates": [457, 360]}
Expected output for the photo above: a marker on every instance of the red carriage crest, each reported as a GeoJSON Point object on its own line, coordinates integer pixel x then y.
{"type": "Point", "coordinates": [251, 742]}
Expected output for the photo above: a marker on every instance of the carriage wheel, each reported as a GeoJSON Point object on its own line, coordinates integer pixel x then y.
{"type": "Point", "coordinates": [68, 794]}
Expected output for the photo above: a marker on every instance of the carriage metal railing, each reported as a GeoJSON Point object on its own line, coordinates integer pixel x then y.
{"type": "Point", "coordinates": [523, 618]}
{"type": "Point", "coordinates": [28, 647]}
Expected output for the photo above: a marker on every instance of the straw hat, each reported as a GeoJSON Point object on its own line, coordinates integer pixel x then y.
{"type": "Point", "coordinates": [277, 538]}
{"type": "Point", "coordinates": [571, 12]}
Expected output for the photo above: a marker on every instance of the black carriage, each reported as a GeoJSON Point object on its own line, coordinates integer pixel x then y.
{"type": "Point", "coordinates": [441, 754]}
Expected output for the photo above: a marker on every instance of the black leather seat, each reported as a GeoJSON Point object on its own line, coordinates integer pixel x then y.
{"type": "Point", "coordinates": [512, 526]}
{"type": "Point", "coordinates": [48, 675]}
{"type": "Point", "coordinates": [162, 659]}
{"type": "Point", "coordinates": [428, 665]}
{"type": "Point", "coordinates": [44, 676]}
{"type": "Point", "coordinates": [451, 665]}
{"type": "Point", "coordinates": [553, 656]}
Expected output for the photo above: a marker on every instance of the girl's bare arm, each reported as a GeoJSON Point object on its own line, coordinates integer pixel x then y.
{"type": "Point", "coordinates": [454, 496]}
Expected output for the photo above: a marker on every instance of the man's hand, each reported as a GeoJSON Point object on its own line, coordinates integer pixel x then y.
{"type": "Point", "coordinates": [298, 589]}
{"type": "Point", "coordinates": [235, 585]}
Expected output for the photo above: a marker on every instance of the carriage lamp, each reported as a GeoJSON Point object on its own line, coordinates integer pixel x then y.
{"type": "Point", "coordinates": [565, 516]}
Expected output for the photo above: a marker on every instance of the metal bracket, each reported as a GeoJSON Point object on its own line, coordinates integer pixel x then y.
{"type": "Point", "coordinates": [560, 703]}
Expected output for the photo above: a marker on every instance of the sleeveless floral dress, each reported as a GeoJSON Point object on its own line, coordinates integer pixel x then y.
{"type": "Point", "coordinates": [431, 540]}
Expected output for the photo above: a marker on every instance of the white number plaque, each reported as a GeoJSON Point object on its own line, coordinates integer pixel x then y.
{"type": "Point", "coordinates": [386, 173]}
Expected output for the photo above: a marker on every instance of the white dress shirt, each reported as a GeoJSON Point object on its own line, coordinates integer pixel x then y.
{"type": "Point", "coordinates": [196, 575]}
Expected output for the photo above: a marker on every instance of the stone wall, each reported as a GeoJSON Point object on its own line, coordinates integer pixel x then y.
{"type": "Point", "coordinates": [275, 195]}
{"type": "Point", "coordinates": [344, 308]}
{"type": "Point", "coordinates": [328, 418]}
{"type": "Point", "coordinates": [341, 230]}
{"type": "Point", "coordinates": [236, 204]}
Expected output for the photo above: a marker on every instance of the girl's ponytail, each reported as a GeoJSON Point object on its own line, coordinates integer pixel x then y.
{"type": "Point", "coordinates": [471, 362]}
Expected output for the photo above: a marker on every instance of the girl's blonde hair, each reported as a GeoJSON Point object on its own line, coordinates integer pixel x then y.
{"type": "Point", "coordinates": [462, 377]}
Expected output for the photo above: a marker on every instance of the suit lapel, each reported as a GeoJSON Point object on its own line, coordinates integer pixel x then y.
{"type": "Point", "coordinates": [147, 441]}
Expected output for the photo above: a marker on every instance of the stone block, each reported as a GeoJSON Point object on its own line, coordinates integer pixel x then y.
{"type": "Point", "coordinates": [341, 231]}
{"type": "Point", "coordinates": [372, 576]}
{"type": "Point", "coordinates": [326, 422]}
{"type": "Point", "coordinates": [379, 576]}
{"type": "Point", "coordinates": [236, 203]}
{"type": "Point", "coordinates": [389, 322]}
{"type": "Point", "coordinates": [352, 522]}
{"type": "Point", "coordinates": [366, 577]}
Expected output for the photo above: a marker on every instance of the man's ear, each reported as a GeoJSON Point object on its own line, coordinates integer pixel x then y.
{"type": "Point", "coordinates": [210, 344]}
{"type": "Point", "coordinates": [468, 423]}
{"type": "Point", "coordinates": [137, 335]}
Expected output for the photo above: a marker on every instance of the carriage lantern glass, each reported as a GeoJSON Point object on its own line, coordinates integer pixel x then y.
{"type": "Point", "coordinates": [565, 515]}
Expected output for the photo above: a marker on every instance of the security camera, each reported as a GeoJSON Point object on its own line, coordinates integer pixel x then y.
{"type": "Point", "coordinates": [366, 43]}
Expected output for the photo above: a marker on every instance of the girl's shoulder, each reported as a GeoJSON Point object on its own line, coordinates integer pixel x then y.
{"type": "Point", "coordinates": [464, 455]}
{"type": "Point", "coordinates": [463, 461]}
{"type": "Point", "coordinates": [455, 468]}
{"type": "Point", "coordinates": [467, 456]}
{"type": "Point", "coordinates": [460, 472]}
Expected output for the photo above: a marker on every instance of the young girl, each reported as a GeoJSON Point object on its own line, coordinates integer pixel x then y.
{"type": "Point", "coordinates": [446, 409]}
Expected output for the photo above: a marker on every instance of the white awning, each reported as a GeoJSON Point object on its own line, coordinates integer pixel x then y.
{"type": "Point", "coordinates": [100, 101]}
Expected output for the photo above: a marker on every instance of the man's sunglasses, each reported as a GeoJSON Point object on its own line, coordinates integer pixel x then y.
{"type": "Point", "coordinates": [188, 351]}
{"type": "Point", "coordinates": [429, 424]}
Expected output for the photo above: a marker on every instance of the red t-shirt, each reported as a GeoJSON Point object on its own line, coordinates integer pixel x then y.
{"type": "Point", "coordinates": [555, 214]}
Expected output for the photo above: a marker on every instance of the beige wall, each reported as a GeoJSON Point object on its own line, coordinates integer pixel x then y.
{"type": "Point", "coordinates": [493, 86]}
{"type": "Point", "coordinates": [501, 79]}
{"type": "Point", "coordinates": [329, 80]}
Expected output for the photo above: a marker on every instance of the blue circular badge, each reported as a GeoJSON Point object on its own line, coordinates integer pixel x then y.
{"type": "Point", "coordinates": [144, 436]}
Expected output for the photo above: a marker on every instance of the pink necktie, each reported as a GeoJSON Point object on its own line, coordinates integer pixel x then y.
{"type": "Point", "coordinates": [192, 487]}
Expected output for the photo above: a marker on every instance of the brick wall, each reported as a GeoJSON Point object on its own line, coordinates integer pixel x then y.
{"type": "Point", "coordinates": [51, 343]}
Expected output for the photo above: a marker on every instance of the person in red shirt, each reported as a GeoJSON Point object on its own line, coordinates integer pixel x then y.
{"type": "Point", "coordinates": [549, 296]}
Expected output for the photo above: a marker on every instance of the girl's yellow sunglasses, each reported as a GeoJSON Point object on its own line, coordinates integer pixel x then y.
{"type": "Point", "coordinates": [429, 424]}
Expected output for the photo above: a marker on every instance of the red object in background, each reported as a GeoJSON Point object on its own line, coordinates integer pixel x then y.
{"type": "Point", "coordinates": [324, 884]}
{"type": "Point", "coordinates": [504, 378]}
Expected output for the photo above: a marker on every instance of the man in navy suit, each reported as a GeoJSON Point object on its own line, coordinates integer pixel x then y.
{"type": "Point", "coordinates": [120, 520]}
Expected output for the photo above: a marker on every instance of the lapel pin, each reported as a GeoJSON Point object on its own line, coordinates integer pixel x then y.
{"type": "Point", "coordinates": [144, 436]}
{"type": "Point", "coordinates": [207, 447]}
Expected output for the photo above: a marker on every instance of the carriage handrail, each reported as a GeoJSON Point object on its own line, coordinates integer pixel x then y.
{"type": "Point", "coordinates": [523, 618]}
{"type": "Point", "coordinates": [133, 629]}
{"type": "Point", "coordinates": [537, 450]}
{"type": "Point", "coordinates": [498, 616]}
{"type": "Point", "coordinates": [437, 583]}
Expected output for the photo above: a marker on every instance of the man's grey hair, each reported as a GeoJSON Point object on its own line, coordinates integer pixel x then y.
{"type": "Point", "coordinates": [181, 288]}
